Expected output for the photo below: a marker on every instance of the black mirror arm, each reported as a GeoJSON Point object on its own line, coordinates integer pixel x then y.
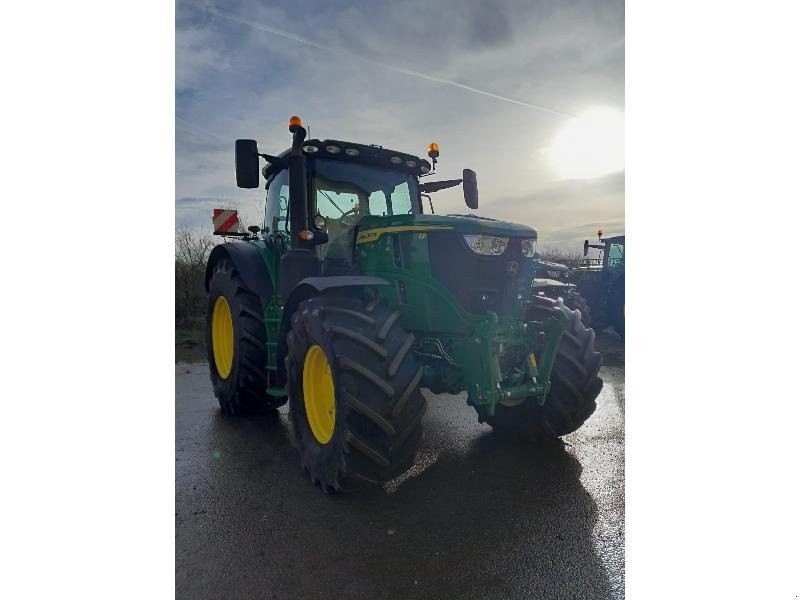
{"type": "Point", "coordinates": [275, 160]}
{"type": "Point", "coordinates": [435, 186]}
{"type": "Point", "coordinates": [430, 201]}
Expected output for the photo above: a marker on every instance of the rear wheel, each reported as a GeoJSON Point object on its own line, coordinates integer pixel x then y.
{"type": "Point", "coordinates": [574, 385]}
{"type": "Point", "coordinates": [355, 402]}
{"type": "Point", "coordinates": [236, 344]}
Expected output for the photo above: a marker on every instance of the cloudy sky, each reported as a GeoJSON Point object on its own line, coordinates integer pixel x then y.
{"type": "Point", "coordinates": [527, 93]}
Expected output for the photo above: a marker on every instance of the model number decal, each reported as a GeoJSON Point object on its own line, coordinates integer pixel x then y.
{"type": "Point", "coordinates": [371, 235]}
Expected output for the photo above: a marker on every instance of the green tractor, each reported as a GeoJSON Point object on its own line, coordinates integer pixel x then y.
{"type": "Point", "coordinates": [353, 300]}
{"type": "Point", "coordinates": [601, 281]}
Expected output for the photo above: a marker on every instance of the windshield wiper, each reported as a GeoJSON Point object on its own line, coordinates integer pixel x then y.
{"type": "Point", "coordinates": [324, 193]}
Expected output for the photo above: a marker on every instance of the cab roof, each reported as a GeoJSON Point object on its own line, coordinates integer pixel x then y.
{"type": "Point", "coordinates": [617, 239]}
{"type": "Point", "coordinates": [370, 154]}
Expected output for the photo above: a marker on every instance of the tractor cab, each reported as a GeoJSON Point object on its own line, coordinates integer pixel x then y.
{"type": "Point", "coordinates": [320, 192]}
{"type": "Point", "coordinates": [342, 191]}
{"type": "Point", "coordinates": [612, 252]}
{"type": "Point", "coordinates": [348, 209]}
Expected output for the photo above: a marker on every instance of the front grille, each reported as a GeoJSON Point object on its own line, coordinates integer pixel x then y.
{"type": "Point", "coordinates": [479, 282]}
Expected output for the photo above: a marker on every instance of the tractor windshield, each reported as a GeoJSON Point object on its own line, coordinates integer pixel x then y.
{"type": "Point", "coordinates": [346, 189]}
{"type": "Point", "coordinates": [344, 192]}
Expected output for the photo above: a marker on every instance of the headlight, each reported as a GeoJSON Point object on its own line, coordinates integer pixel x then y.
{"type": "Point", "coordinates": [485, 244]}
{"type": "Point", "coordinates": [528, 248]}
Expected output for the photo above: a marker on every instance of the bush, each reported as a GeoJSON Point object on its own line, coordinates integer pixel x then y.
{"type": "Point", "coordinates": [191, 253]}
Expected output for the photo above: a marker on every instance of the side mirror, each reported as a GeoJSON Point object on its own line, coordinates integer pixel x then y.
{"type": "Point", "coordinates": [470, 189]}
{"type": "Point", "coordinates": [247, 164]}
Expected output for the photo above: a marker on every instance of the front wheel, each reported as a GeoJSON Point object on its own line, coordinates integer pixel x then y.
{"type": "Point", "coordinates": [574, 385]}
{"type": "Point", "coordinates": [354, 396]}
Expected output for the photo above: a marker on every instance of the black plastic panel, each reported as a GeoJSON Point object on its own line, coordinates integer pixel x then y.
{"type": "Point", "coordinates": [479, 282]}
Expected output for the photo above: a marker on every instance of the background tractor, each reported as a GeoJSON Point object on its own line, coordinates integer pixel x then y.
{"type": "Point", "coordinates": [601, 281]}
{"type": "Point", "coordinates": [553, 280]}
{"type": "Point", "coordinates": [350, 299]}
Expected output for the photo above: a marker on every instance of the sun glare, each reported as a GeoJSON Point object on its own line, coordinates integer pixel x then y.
{"type": "Point", "coordinates": [589, 146]}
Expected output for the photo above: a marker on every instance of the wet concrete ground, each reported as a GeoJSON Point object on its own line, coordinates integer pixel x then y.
{"type": "Point", "coordinates": [478, 516]}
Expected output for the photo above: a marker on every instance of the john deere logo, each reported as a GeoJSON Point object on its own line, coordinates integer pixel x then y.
{"type": "Point", "coordinates": [512, 268]}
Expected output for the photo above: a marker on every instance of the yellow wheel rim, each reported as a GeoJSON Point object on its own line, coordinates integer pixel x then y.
{"type": "Point", "coordinates": [222, 336]}
{"type": "Point", "coordinates": [318, 394]}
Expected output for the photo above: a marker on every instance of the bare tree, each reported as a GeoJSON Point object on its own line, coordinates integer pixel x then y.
{"type": "Point", "coordinates": [192, 248]}
{"type": "Point", "coordinates": [554, 254]}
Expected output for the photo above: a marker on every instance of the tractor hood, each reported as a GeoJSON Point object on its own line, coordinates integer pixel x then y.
{"type": "Point", "coordinates": [466, 224]}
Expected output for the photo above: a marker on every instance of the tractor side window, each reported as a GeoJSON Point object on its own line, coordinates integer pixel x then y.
{"type": "Point", "coordinates": [378, 205]}
{"type": "Point", "coordinates": [616, 255]}
{"type": "Point", "coordinates": [278, 201]}
{"type": "Point", "coordinates": [394, 200]}
{"type": "Point", "coordinates": [399, 198]}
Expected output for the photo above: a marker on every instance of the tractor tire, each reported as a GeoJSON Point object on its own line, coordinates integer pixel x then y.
{"type": "Point", "coordinates": [574, 386]}
{"type": "Point", "coordinates": [354, 395]}
{"type": "Point", "coordinates": [236, 344]}
{"type": "Point", "coordinates": [577, 302]}
{"type": "Point", "coordinates": [618, 311]}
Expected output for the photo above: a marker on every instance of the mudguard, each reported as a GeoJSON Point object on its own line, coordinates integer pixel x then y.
{"type": "Point", "coordinates": [247, 260]}
{"type": "Point", "coordinates": [316, 285]}
{"type": "Point", "coordinates": [313, 286]}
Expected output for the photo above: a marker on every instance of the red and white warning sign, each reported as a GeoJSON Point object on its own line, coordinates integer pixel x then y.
{"type": "Point", "coordinates": [225, 221]}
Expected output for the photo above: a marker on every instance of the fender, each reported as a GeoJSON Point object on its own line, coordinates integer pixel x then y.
{"type": "Point", "coordinates": [247, 260]}
{"type": "Point", "coordinates": [314, 286]}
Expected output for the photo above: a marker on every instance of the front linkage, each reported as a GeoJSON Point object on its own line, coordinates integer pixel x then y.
{"type": "Point", "coordinates": [506, 360]}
